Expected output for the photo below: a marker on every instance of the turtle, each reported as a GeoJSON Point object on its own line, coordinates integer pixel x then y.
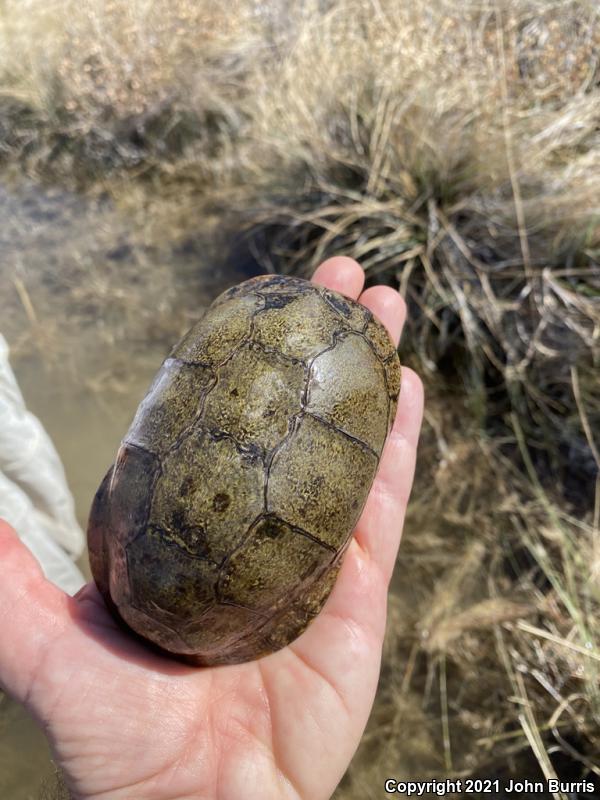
{"type": "Point", "coordinates": [217, 534]}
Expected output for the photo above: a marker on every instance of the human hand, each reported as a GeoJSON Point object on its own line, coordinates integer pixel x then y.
{"type": "Point", "coordinates": [125, 723]}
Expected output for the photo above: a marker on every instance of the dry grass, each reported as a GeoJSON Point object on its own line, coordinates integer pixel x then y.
{"type": "Point", "coordinates": [454, 149]}
{"type": "Point", "coordinates": [96, 86]}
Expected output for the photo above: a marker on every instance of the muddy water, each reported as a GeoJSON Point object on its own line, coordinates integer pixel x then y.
{"type": "Point", "coordinates": [90, 306]}
{"type": "Point", "coordinates": [86, 428]}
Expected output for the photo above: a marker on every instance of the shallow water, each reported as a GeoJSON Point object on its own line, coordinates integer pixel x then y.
{"type": "Point", "coordinates": [89, 309]}
{"type": "Point", "coordinates": [24, 756]}
{"type": "Point", "coordinates": [86, 428]}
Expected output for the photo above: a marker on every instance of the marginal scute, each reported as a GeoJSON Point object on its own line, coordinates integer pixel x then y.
{"type": "Point", "coordinates": [129, 495]}
{"type": "Point", "coordinates": [215, 632]}
{"type": "Point", "coordinates": [301, 329]}
{"type": "Point", "coordinates": [130, 490]}
{"type": "Point", "coordinates": [379, 338]}
{"type": "Point", "coordinates": [156, 630]}
{"type": "Point", "coordinates": [208, 494]}
{"type": "Point", "coordinates": [222, 329]}
{"type": "Point", "coordinates": [267, 284]}
{"type": "Point", "coordinates": [319, 481]}
{"type": "Point", "coordinates": [273, 558]}
{"type": "Point", "coordinates": [296, 618]}
{"type": "Point", "coordinates": [348, 389]}
{"type": "Point", "coordinates": [166, 577]}
{"type": "Point", "coordinates": [256, 394]}
{"type": "Point", "coordinates": [393, 375]}
{"type": "Point", "coordinates": [264, 284]}
{"type": "Point", "coordinates": [354, 315]}
{"type": "Point", "coordinates": [99, 523]}
{"type": "Point", "coordinates": [119, 582]}
{"type": "Point", "coordinates": [173, 401]}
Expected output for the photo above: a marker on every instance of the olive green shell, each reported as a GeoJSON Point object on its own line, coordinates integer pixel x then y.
{"type": "Point", "coordinates": [218, 532]}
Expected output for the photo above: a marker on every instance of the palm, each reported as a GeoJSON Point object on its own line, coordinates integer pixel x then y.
{"type": "Point", "coordinates": [266, 724]}
{"type": "Point", "coordinates": [125, 723]}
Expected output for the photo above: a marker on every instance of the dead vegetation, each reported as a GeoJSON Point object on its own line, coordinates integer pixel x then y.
{"type": "Point", "coordinates": [454, 150]}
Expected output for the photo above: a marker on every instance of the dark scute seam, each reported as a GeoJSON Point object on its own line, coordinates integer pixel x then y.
{"type": "Point", "coordinates": [233, 551]}
{"type": "Point", "coordinates": [167, 534]}
{"type": "Point", "coordinates": [189, 429]}
{"type": "Point", "coordinates": [157, 474]}
{"type": "Point", "coordinates": [369, 318]}
{"type": "Point", "coordinates": [270, 350]}
{"type": "Point", "coordinates": [381, 360]}
{"type": "Point", "coordinates": [336, 337]}
{"type": "Point", "coordinates": [126, 443]}
{"type": "Point", "coordinates": [242, 606]}
{"type": "Point", "coordinates": [175, 633]}
{"type": "Point", "coordinates": [292, 427]}
{"type": "Point", "coordinates": [330, 299]}
{"type": "Point", "coordinates": [302, 532]}
{"type": "Point", "coordinates": [193, 426]}
{"type": "Point", "coordinates": [252, 451]}
{"type": "Point", "coordinates": [349, 436]}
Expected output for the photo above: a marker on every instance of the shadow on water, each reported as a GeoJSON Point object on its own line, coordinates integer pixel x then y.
{"type": "Point", "coordinates": [94, 293]}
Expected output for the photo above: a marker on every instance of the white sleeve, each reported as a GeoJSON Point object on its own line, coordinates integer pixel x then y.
{"type": "Point", "coordinates": [36, 530]}
{"type": "Point", "coordinates": [30, 461]}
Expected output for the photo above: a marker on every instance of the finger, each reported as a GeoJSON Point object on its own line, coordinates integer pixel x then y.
{"type": "Point", "coordinates": [388, 306]}
{"type": "Point", "coordinates": [379, 529]}
{"type": "Point", "coordinates": [342, 274]}
{"type": "Point", "coordinates": [33, 614]}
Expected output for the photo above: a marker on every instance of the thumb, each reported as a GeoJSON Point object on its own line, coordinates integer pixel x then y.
{"type": "Point", "coordinates": [33, 615]}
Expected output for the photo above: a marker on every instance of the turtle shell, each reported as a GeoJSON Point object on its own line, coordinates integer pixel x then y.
{"type": "Point", "coordinates": [219, 530]}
